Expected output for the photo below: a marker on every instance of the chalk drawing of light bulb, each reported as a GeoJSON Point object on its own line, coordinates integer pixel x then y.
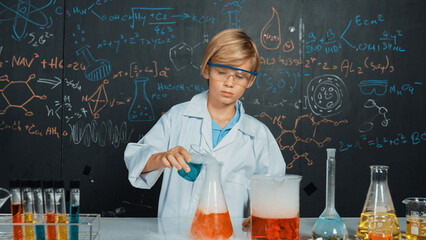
{"type": "Point", "coordinates": [97, 69]}
{"type": "Point", "coordinates": [141, 108]}
{"type": "Point", "coordinates": [232, 9]}
{"type": "Point", "coordinates": [327, 95]}
{"type": "Point", "coordinates": [270, 36]}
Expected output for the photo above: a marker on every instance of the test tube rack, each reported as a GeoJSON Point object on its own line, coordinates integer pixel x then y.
{"type": "Point", "coordinates": [89, 226]}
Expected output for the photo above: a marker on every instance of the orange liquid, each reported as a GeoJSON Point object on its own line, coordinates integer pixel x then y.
{"type": "Point", "coordinates": [379, 236]}
{"type": "Point", "coordinates": [274, 228]}
{"type": "Point", "coordinates": [211, 226]}
{"type": "Point", "coordinates": [51, 229]}
{"type": "Point", "coordinates": [16, 218]}
{"type": "Point", "coordinates": [62, 229]}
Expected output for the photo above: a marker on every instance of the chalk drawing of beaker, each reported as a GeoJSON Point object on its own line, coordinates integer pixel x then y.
{"type": "Point", "coordinates": [232, 9]}
{"type": "Point", "coordinates": [97, 69]}
{"type": "Point", "coordinates": [141, 108]}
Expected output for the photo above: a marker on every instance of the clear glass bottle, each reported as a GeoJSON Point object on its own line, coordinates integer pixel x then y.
{"type": "Point", "coordinates": [50, 205]}
{"type": "Point", "coordinates": [329, 225]}
{"type": "Point", "coordinates": [16, 208]}
{"type": "Point", "coordinates": [378, 202]}
{"type": "Point", "coordinates": [212, 219]}
{"type": "Point", "coordinates": [39, 210]}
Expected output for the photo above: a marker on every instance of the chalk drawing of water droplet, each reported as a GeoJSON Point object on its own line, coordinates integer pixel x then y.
{"type": "Point", "coordinates": [270, 36]}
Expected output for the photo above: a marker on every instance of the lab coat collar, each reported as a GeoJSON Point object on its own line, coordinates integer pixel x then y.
{"type": "Point", "coordinates": [197, 107]}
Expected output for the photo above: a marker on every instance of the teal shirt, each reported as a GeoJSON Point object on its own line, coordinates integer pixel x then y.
{"type": "Point", "coordinates": [218, 133]}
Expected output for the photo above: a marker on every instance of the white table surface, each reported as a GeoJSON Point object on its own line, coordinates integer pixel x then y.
{"type": "Point", "coordinates": [179, 228]}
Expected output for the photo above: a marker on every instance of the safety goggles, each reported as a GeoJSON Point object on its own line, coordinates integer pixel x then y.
{"type": "Point", "coordinates": [222, 72]}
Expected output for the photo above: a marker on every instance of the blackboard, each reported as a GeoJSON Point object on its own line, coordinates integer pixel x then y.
{"type": "Point", "coordinates": [81, 79]}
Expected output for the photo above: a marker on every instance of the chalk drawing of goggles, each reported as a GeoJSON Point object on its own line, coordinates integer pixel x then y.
{"type": "Point", "coordinates": [379, 87]}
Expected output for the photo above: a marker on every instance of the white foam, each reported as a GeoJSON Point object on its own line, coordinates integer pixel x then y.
{"type": "Point", "coordinates": [275, 197]}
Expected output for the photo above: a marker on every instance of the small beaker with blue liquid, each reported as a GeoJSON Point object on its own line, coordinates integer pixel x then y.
{"type": "Point", "coordinates": [199, 156]}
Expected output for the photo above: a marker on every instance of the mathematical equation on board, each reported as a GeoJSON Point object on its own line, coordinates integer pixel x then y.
{"type": "Point", "coordinates": [395, 141]}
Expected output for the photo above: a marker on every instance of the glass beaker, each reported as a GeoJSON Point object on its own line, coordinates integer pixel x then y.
{"type": "Point", "coordinates": [275, 206]}
{"type": "Point", "coordinates": [4, 195]}
{"type": "Point", "coordinates": [329, 225]}
{"type": "Point", "coordinates": [141, 108]}
{"type": "Point", "coordinates": [416, 218]}
{"type": "Point", "coordinates": [198, 156]}
{"type": "Point", "coordinates": [380, 227]}
{"type": "Point", "coordinates": [212, 219]}
{"type": "Point", "coordinates": [378, 202]}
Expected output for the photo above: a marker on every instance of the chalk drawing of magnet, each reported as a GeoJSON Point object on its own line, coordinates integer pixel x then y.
{"type": "Point", "coordinates": [96, 69]}
{"type": "Point", "coordinates": [327, 95]}
{"type": "Point", "coordinates": [378, 87]}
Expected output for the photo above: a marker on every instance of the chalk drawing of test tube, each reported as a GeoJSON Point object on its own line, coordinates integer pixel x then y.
{"type": "Point", "coordinates": [97, 69]}
{"type": "Point", "coordinates": [232, 9]}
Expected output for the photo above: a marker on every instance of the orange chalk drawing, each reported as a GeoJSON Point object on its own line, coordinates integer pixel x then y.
{"type": "Point", "coordinates": [98, 100]}
{"type": "Point", "coordinates": [293, 134]}
{"type": "Point", "coordinates": [18, 101]}
{"type": "Point", "coordinates": [270, 36]}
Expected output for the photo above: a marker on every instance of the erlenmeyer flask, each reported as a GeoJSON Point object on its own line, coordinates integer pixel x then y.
{"type": "Point", "coordinates": [141, 108]}
{"type": "Point", "coordinates": [378, 202]}
{"type": "Point", "coordinates": [212, 219]}
{"type": "Point", "coordinates": [329, 225]}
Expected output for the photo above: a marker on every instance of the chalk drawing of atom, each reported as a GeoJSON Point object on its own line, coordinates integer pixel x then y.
{"type": "Point", "coordinates": [23, 13]}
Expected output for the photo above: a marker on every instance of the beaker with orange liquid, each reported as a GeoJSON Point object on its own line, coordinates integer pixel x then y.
{"type": "Point", "coordinates": [275, 207]}
{"type": "Point", "coordinates": [212, 219]}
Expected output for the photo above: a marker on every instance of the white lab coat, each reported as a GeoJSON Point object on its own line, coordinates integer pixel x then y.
{"type": "Point", "coordinates": [248, 149]}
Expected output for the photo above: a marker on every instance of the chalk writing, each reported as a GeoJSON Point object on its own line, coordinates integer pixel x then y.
{"type": "Point", "coordinates": [103, 133]}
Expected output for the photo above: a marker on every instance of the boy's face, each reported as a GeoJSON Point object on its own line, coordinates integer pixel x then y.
{"type": "Point", "coordinates": [223, 89]}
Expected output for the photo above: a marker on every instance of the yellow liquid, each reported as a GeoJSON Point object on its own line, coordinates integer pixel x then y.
{"type": "Point", "coordinates": [29, 230]}
{"type": "Point", "coordinates": [62, 229]}
{"type": "Point", "coordinates": [416, 229]}
{"type": "Point", "coordinates": [362, 231]}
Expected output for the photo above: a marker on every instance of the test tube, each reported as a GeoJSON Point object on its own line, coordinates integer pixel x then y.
{"type": "Point", "coordinates": [74, 208]}
{"type": "Point", "coordinates": [16, 208]}
{"type": "Point", "coordinates": [28, 209]}
{"type": "Point", "coordinates": [49, 204]}
{"type": "Point", "coordinates": [38, 210]}
{"type": "Point", "coordinates": [61, 211]}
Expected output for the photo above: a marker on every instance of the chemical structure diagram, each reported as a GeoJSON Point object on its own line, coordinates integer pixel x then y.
{"type": "Point", "coordinates": [292, 133]}
{"type": "Point", "coordinates": [181, 55]}
{"type": "Point", "coordinates": [12, 99]}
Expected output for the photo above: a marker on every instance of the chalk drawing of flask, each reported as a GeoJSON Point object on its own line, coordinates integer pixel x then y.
{"type": "Point", "coordinates": [141, 108]}
{"type": "Point", "coordinates": [97, 69]}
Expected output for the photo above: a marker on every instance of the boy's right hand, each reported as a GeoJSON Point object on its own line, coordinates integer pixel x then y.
{"type": "Point", "coordinates": [174, 157]}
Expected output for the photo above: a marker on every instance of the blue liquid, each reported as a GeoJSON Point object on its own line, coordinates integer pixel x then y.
{"type": "Point", "coordinates": [193, 174]}
{"type": "Point", "coordinates": [74, 218]}
{"type": "Point", "coordinates": [330, 228]}
{"type": "Point", "coordinates": [40, 233]}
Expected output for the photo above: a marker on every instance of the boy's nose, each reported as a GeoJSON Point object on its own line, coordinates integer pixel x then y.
{"type": "Point", "coordinates": [228, 81]}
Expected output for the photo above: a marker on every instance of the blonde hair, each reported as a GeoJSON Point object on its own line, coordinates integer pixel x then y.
{"type": "Point", "coordinates": [231, 47]}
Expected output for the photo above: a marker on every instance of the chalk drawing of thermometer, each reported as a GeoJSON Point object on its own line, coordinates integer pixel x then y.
{"type": "Point", "coordinates": [97, 69]}
{"type": "Point", "coordinates": [21, 18]}
{"type": "Point", "coordinates": [232, 9]}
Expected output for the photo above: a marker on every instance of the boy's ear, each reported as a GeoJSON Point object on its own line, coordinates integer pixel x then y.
{"type": "Point", "coordinates": [206, 74]}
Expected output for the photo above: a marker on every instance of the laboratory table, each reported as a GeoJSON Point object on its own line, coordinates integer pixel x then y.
{"type": "Point", "coordinates": [178, 228]}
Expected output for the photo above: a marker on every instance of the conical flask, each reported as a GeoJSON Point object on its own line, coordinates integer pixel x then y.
{"type": "Point", "coordinates": [212, 219]}
{"type": "Point", "coordinates": [329, 225]}
{"type": "Point", "coordinates": [378, 202]}
{"type": "Point", "coordinates": [141, 108]}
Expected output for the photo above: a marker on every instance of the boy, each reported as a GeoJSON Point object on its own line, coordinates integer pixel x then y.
{"type": "Point", "coordinates": [214, 120]}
